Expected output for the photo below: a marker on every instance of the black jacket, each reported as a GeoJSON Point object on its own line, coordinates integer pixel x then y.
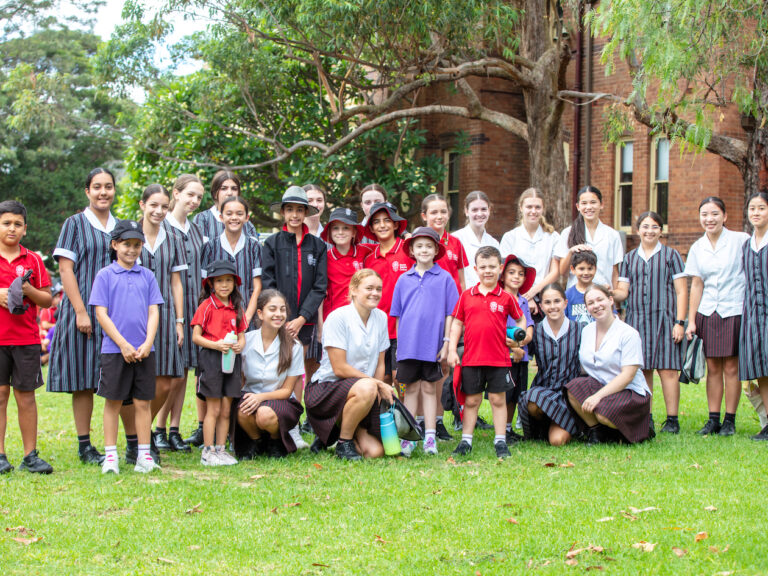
{"type": "Point", "coordinates": [280, 270]}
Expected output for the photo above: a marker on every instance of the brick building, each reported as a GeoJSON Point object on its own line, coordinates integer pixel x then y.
{"type": "Point", "coordinates": [646, 173]}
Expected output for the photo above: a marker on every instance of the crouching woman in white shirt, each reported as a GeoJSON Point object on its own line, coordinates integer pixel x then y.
{"type": "Point", "coordinates": [343, 398]}
{"type": "Point", "coordinates": [612, 400]}
{"type": "Point", "coordinates": [272, 363]}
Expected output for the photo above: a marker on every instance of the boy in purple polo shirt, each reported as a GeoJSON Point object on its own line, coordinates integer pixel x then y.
{"type": "Point", "coordinates": [126, 297]}
{"type": "Point", "coordinates": [423, 302]}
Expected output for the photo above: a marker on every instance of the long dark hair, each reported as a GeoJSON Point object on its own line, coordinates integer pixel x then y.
{"type": "Point", "coordinates": [713, 200]}
{"type": "Point", "coordinates": [96, 171]}
{"type": "Point", "coordinates": [652, 215]}
{"type": "Point", "coordinates": [153, 189]}
{"type": "Point", "coordinates": [218, 181]}
{"type": "Point", "coordinates": [235, 298]}
{"type": "Point", "coordinates": [578, 235]}
{"type": "Point", "coordinates": [286, 340]}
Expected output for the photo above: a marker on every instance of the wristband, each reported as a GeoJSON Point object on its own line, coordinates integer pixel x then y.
{"type": "Point", "coordinates": [179, 320]}
{"type": "Point", "coordinates": [680, 322]}
{"type": "Point", "coordinates": [446, 339]}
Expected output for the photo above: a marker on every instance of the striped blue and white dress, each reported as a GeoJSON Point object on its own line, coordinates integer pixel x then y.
{"type": "Point", "coordinates": [557, 356]}
{"type": "Point", "coordinates": [753, 349]}
{"type": "Point", "coordinates": [165, 258]}
{"type": "Point", "coordinates": [210, 224]}
{"type": "Point", "coordinates": [75, 361]}
{"type": "Point", "coordinates": [652, 303]}
{"type": "Point", "coordinates": [246, 257]}
{"type": "Point", "coordinates": [192, 240]}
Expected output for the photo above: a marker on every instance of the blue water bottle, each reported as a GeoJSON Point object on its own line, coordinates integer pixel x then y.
{"type": "Point", "coordinates": [515, 333]}
{"type": "Point", "coordinates": [389, 436]}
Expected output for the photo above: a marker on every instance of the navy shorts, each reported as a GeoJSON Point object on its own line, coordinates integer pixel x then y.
{"type": "Point", "coordinates": [120, 380]}
{"type": "Point", "coordinates": [390, 358]}
{"type": "Point", "coordinates": [20, 367]}
{"type": "Point", "coordinates": [213, 383]}
{"type": "Point", "coordinates": [478, 379]}
{"type": "Point", "coordinates": [410, 371]}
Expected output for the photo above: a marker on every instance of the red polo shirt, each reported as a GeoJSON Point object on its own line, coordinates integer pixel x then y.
{"type": "Point", "coordinates": [455, 258]}
{"type": "Point", "coordinates": [390, 267]}
{"type": "Point", "coordinates": [485, 325]}
{"type": "Point", "coordinates": [22, 329]}
{"type": "Point", "coordinates": [341, 268]}
{"type": "Point", "coordinates": [217, 319]}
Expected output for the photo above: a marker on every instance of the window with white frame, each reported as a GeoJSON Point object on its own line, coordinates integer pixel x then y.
{"type": "Point", "coordinates": [452, 162]}
{"type": "Point", "coordinates": [623, 192]}
{"type": "Point", "coordinates": [659, 197]}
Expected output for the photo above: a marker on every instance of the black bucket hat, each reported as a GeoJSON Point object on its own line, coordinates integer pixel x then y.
{"type": "Point", "coordinates": [400, 222]}
{"type": "Point", "coordinates": [294, 195]}
{"type": "Point", "coordinates": [127, 229]}
{"type": "Point", "coordinates": [345, 216]}
{"type": "Point", "coordinates": [426, 232]}
{"type": "Point", "coordinates": [222, 268]}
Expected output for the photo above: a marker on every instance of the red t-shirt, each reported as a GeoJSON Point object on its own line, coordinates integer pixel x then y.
{"type": "Point", "coordinates": [48, 315]}
{"type": "Point", "coordinates": [217, 319]}
{"type": "Point", "coordinates": [341, 268]}
{"type": "Point", "coordinates": [390, 267]}
{"type": "Point", "coordinates": [455, 258]}
{"type": "Point", "coordinates": [485, 325]}
{"type": "Point", "coordinates": [22, 329]}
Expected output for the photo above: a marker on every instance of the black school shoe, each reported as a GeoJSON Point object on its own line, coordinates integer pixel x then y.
{"type": "Point", "coordinates": [513, 437]}
{"type": "Point", "coordinates": [177, 444]}
{"type": "Point", "coordinates": [89, 455]}
{"type": "Point", "coordinates": [346, 450]}
{"type": "Point", "coordinates": [275, 448]}
{"type": "Point", "coordinates": [671, 427]}
{"type": "Point", "coordinates": [33, 463]}
{"type": "Point", "coordinates": [196, 438]}
{"type": "Point", "coordinates": [762, 435]}
{"type": "Point", "coordinates": [595, 435]}
{"type": "Point", "coordinates": [160, 440]}
{"type": "Point", "coordinates": [463, 449]}
{"type": "Point", "coordinates": [482, 424]}
{"type": "Point", "coordinates": [318, 446]}
{"type": "Point", "coordinates": [441, 432]}
{"type": "Point", "coordinates": [5, 466]}
{"type": "Point", "coordinates": [306, 428]}
{"type": "Point", "coordinates": [727, 428]}
{"type": "Point", "coordinates": [501, 450]}
{"type": "Point", "coordinates": [711, 427]}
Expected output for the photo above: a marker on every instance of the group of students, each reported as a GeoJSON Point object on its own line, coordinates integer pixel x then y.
{"type": "Point", "coordinates": [347, 316]}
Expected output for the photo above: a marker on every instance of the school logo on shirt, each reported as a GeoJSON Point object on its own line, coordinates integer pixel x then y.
{"type": "Point", "coordinates": [233, 321]}
{"type": "Point", "coordinates": [311, 260]}
{"type": "Point", "coordinates": [19, 270]}
{"type": "Point", "coordinates": [398, 267]}
{"type": "Point", "coordinates": [451, 255]}
{"type": "Point", "coordinates": [357, 265]}
{"type": "Point", "coordinates": [495, 307]}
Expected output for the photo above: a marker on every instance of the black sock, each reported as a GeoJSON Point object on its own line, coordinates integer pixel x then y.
{"type": "Point", "coordinates": [672, 419]}
{"type": "Point", "coordinates": [159, 429]}
{"type": "Point", "coordinates": [132, 441]}
{"type": "Point", "coordinates": [84, 440]}
{"type": "Point", "coordinates": [730, 418]}
{"type": "Point", "coordinates": [174, 429]}
{"type": "Point", "coordinates": [345, 439]}
{"type": "Point", "coordinates": [200, 424]}
{"type": "Point", "coordinates": [714, 416]}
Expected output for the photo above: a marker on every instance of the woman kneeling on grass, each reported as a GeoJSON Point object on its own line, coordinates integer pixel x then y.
{"type": "Point", "coordinates": [343, 398]}
{"type": "Point", "coordinates": [272, 363]}
{"type": "Point", "coordinates": [613, 399]}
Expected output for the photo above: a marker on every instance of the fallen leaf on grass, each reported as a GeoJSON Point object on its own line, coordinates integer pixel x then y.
{"type": "Point", "coordinates": [644, 546]}
{"type": "Point", "coordinates": [321, 565]}
{"type": "Point", "coordinates": [195, 509]}
{"type": "Point", "coordinates": [292, 505]}
{"type": "Point", "coordinates": [572, 562]}
{"type": "Point", "coordinates": [274, 510]}
{"type": "Point", "coordinates": [451, 461]}
{"type": "Point", "coordinates": [27, 541]}
{"type": "Point", "coordinates": [641, 510]}
{"type": "Point", "coordinates": [512, 521]}
{"type": "Point", "coordinates": [549, 465]}
{"type": "Point", "coordinates": [701, 536]}
{"type": "Point", "coordinates": [568, 464]}
{"type": "Point", "coordinates": [594, 568]}
{"type": "Point", "coordinates": [194, 547]}
{"type": "Point", "coordinates": [606, 519]}
{"type": "Point", "coordinates": [258, 476]}
{"type": "Point", "coordinates": [711, 509]}
{"type": "Point", "coordinates": [573, 552]}
{"type": "Point", "coordinates": [716, 550]}
{"type": "Point", "coordinates": [379, 540]}
{"type": "Point", "coordinates": [22, 530]}
{"type": "Point", "coordinates": [436, 492]}
{"type": "Point", "coordinates": [628, 516]}
{"type": "Point", "coordinates": [679, 552]}
{"type": "Point", "coordinates": [695, 465]}
{"type": "Point", "coordinates": [166, 560]}
{"type": "Point", "coordinates": [316, 465]}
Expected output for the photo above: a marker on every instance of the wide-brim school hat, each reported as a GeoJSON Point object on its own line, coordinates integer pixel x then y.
{"type": "Point", "coordinates": [126, 230]}
{"type": "Point", "coordinates": [222, 268]}
{"type": "Point", "coordinates": [530, 272]}
{"type": "Point", "coordinates": [426, 232]}
{"type": "Point", "coordinates": [16, 294]}
{"type": "Point", "coordinates": [294, 195]}
{"type": "Point", "coordinates": [345, 216]}
{"type": "Point", "coordinates": [400, 222]}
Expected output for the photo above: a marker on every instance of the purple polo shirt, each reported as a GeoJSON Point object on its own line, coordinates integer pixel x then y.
{"type": "Point", "coordinates": [523, 302]}
{"type": "Point", "coordinates": [422, 303]}
{"type": "Point", "coordinates": [127, 296]}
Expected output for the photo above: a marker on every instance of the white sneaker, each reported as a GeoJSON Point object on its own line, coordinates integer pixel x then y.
{"type": "Point", "coordinates": [225, 458]}
{"type": "Point", "coordinates": [295, 435]}
{"type": "Point", "coordinates": [111, 464]}
{"type": "Point", "coordinates": [406, 448]}
{"type": "Point", "coordinates": [145, 464]}
{"type": "Point", "coordinates": [209, 457]}
{"type": "Point", "coordinates": [430, 446]}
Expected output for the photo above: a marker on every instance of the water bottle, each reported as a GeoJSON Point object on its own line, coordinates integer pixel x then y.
{"type": "Point", "coordinates": [516, 334]}
{"type": "Point", "coordinates": [389, 434]}
{"type": "Point", "coordinates": [228, 357]}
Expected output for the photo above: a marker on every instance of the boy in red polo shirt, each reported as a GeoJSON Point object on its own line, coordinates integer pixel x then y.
{"type": "Point", "coordinates": [24, 285]}
{"type": "Point", "coordinates": [482, 313]}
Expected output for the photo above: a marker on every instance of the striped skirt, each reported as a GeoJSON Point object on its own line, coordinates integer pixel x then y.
{"type": "Point", "coordinates": [753, 351]}
{"type": "Point", "coordinates": [554, 404]}
{"type": "Point", "coordinates": [627, 410]}
{"type": "Point", "coordinates": [720, 335]}
{"type": "Point", "coordinates": [75, 361]}
{"type": "Point", "coordinates": [325, 403]}
{"type": "Point", "coordinates": [288, 413]}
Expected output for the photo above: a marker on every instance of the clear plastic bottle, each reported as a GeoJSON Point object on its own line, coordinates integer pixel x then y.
{"type": "Point", "coordinates": [228, 357]}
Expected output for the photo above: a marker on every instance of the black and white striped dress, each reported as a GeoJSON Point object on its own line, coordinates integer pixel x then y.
{"type": "Point", "coordinates": [652, 304]}
{"type": "Point", "coordinates": [211, 226]}
{"type": "Point", "coordinates": [246, 257]}
{"type": "Point", "coordinates": [166, 258]}
{"type": "Point", "coordinates": [191, 237]}
{"type": "Point", "coordinates": [75, 360]}
{"type": "Point", "coordinates": [558, 362]}
{"type": "Point", "coordinates": [753, 351]}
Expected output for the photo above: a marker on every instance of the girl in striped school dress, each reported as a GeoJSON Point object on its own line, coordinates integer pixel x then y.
{"type": "Point", "coordinates": [225, 184]}
{"type": "Point", "coordinates": [753, 352]}
{"type": "Point", "coordinates": [82, 250]}
{"type": "Point", "coordinates": [163, 254]}
{"type": "Point", "coordinates": [544, 411]}
{"type": "Point", "coordinates": [652, 281]}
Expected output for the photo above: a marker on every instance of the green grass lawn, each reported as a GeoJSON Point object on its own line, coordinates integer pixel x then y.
{"type": "Point", "coordinates": [698, 503]}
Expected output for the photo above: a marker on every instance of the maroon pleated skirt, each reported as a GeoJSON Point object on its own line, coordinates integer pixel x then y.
{"type": "Point", "coordinates": [627, 410]}
{"type": "Point", "coordinates": [288, 413]}
{"type": "Point", "coordinates": [325, 403]}
{"type": "Point", "coordinates": [720, 335]}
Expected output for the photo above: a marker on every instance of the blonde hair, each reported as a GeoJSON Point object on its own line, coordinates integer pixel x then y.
{"type": "Point", "coordinates": [182, 182]}
{"type": "Point", "coordinates": [433, 198]}
{"type": "Point", "coordinates": [357, 279]}
{"type": "Point", "coordinates": [533, 193]}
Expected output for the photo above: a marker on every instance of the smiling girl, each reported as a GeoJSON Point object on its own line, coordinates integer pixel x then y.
{"type": "Point", "coordinates": [477, 209]}
{"type": "Point", "coordinates": [225, 184]}
{"type": "Point", "coordinates": [436, 213]}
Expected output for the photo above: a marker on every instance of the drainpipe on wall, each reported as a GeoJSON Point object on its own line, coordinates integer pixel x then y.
{"type": "Point", "coordinates": [576, 167]}
{"type": "Point", "coordinates": [588, 114]}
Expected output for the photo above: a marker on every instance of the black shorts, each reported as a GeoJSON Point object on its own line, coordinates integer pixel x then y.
{"type": "Point", "coordinates": [519, 374]}
{"type": "Point", "coordinates": [390, 358]}
{"type": "Point", "coordinates": [213, 383]}
{"type": "Point", "coordinates": [120, 380]}
{"type": "Point", "coordinates": [478, 379]}
{"type": "Point", "coordinates": [305, 334]}
{"type": "Point", "coordinates": [20, 367]}
{"type": "Point", "coordinates": [410, 371]}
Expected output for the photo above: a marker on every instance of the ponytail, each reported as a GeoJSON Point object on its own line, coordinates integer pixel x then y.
{"type": "Point", "coordinates": [578, 234]}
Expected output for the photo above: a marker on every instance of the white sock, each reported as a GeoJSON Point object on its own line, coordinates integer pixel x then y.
{"type": "Point", "coordinates": [110, 452]}
{"type": "Point", "coordinates": [501, 438]}
{"type": "Point", "coordinates": [467, 438]}
{"type": "Point", "coordinates": [430, 432]}
{"type": "Point", "coordinates": [143, 451]}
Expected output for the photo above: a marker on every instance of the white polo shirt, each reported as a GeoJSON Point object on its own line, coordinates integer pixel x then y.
{"type": "Point", "coordinates": [607, 247]}
{"type": "Point", "coordinates": [363, 342]}
{"type": "Point", "coordinates": [260, 366]}
{"type": "Point", "coordinates": [471, 246]}
{"type": "Point", "coordinates": [537, 251]}
{"type": "Point", "coordinates": [621, 346]}
{"type": "Point", "coordinates": [722, 270]}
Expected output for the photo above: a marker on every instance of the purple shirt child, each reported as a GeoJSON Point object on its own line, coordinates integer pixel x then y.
{"type": "Point", "coordinates": [127, 296]}
{"type": "Point", "coordinates": [523, 302]}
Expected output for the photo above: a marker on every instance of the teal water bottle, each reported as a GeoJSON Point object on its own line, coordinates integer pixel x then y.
{"type": "Point", "coordinates": [389, 434]}
{"type": "Point", "coordinates": [228, 357]}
